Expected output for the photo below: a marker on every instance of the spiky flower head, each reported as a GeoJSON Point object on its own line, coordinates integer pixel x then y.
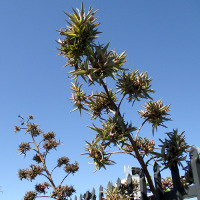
{"type": "Point", "coordinates": [31, 195]}
{"type": "Point", "coordinates": [78, 97]}
{"type": "Point", "coordinates": [167, 184]}
{"type": "Point", "coordinates": [114, 131]}
{"type": "Point", "coordinates": [62, 192]}
{"type": "Point", "coordinates": [49, 135]}
{"type": "Point", "coordinates": [63, 161]}
{"type": "Point", "coordinates": [51, 144]}
{"type": "Point", "coordinates": [144, 146]}
{"type": "Point", "coordinates": [41, 187]}
{"type": "Point", "coordinates": [37, 158]}
{"type": "Point", "coordinates": [100, 102]}
{"type": "Point", "coordinates": [155, 113]}
{"type": "Point", "coordinates": [24, 147]}
{"type": "Point", "coordinates": [34, 171]}
{"type": "Point", "coordinates": [33, 129]}
{"type": "Point", "coordinates": [100, 157]}
{"type": "Point", "coordinates": [79, 34]}
{"type": "Point", "coordinates": [135, 85]}
{"type": "Point", "coordinates": [103, 63]}
{"type": "Point", "coordinates": [23, 174]}
{"type": "Point", "coordinates": [72, 168]}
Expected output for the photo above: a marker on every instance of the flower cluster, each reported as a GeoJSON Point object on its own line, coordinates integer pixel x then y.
{"type": "Point", "coordinates": [155, 113]}
{"type": "Point", "coordinates": [100, 102]}
{"type": "Point", "coordinates": [31, 173]}
{"type": "Point", "coordinates": [42, 148]}
{"type": "Point", "coordinates": [31, 195]}
{"type": "Point", "coordinates": [71, 168]}
{"type": "Point", "coordinates": [24, 147]}
{"type": "Point", "coordinates": [97, 152]}
{"type": "Point", "coordinates": [40, 188]}
{"type": "Point", "coordinates": [80, 33]}
{"type": "Point", "coordinates": [167, 184]}
{"type": "Point", "coordinates": [135, 85]}
{"type": "Point", "coordinates": [62, 192]}
{"type": "Point", "coordinates": [144, 146]}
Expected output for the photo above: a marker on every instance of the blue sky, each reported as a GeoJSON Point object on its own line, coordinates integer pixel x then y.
{"type": "Point", "coordinates": [161, 37]}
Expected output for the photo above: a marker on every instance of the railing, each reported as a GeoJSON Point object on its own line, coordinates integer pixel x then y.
{"type": "Point", "coordinates": [177, 193]}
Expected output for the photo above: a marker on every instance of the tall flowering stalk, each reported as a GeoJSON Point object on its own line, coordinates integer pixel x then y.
{"type": "Point", "coordinates": [93, 63]}
{"type": "Point", "coordinates": [41, 144]}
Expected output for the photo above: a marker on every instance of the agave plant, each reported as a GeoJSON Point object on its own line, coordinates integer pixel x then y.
{"type": "Point", "coordinates": [99, 66]}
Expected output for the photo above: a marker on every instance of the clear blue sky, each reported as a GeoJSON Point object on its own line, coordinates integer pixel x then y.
{"type": "Point", "coordinates": [161, 37]}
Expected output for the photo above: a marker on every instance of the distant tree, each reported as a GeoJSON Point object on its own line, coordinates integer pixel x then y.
{"type": "Point", "coordinates": [96, 65]}
{"type": "Point", "coordinates": [41, 144]}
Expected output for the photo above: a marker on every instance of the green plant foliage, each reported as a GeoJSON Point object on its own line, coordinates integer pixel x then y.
{"type": "Point", "coordinates": [97, 152]}
{"type": "Point", "coordinates": [99, 102]}
{"type": "Point", "coordinates": [112, 193]}
{"type": "Point", "coordinates": [114, 130]}
{"type": "Point", "coordinates": [144, 145]}
{"type": "Point", "coordinates": [135, 85]}
{"type": "Point", "coordinates": [97, 65]}
{"type": "Point", "coordinates": [80, 33]}
{"type": "Point", "coordinates": [173, 149]}
{"type": "Point", "coordinates": [155, 113]}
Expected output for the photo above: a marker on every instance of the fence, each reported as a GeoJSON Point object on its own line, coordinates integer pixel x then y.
{"type": "Point", "coordinates": [177, 193]}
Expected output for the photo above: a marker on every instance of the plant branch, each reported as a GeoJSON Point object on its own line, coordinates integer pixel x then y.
{"type": "Point", "coordinates": [44, 175]}
{"type": "Point", "coordinates": [140, 129]}
{"type": "Point", "coordinates": [109, 97]}
{"type": "Point", "coordinates": [44, 164]}
{"type": "Point", "coordinates": [133, 143]}
{"type": "Point", "coordinates": [122, 152]}
{"type": "Point", "coordinates": [121, 101]}
{"type": "Point", "coordinates": [64, 178]}
{"type": "Point", "coordinates": [53, 169]}
{"type": "Point", "coordinates": [142, 163]}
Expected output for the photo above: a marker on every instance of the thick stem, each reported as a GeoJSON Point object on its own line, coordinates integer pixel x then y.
{"type": "Point", "coordinates": [109, 97]}
{"type": "Point", "coordinates": [143, 165]}
{"type": "Point", "coordinates": [133, 143]}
